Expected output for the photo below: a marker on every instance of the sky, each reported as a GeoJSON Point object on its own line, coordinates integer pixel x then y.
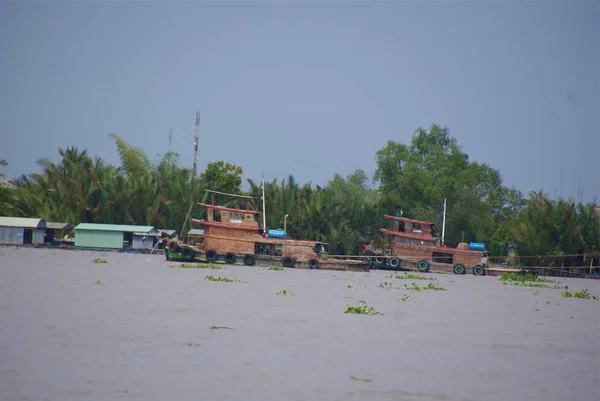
{"type": "Point", "coordinates": [307, 88]}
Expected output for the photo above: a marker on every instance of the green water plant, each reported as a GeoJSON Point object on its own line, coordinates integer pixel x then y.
{"type": "Point", "coordinates": [283, 292]}
{"type": "Point", "coordinates": [98, 282]}
{"type": "Point", "coordinates": [98, 260]}
{"type": "Point", "coordinates": [276, 268]}
{"type": "Point", "coordinates": [224, 279]}
{"type": "Point", "coordinates": [362, 309]}
{"type": "Point", "coordinates": [409, 276]}
{"type": "Point", "coordinates": [198, 266]}
{"type": "Point", "coordinates": [404, 297]}
{"type": "Point", "coordinates": [583, 294]}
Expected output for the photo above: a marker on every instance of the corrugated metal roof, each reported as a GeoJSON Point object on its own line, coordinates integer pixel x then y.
{"type": "Point", "coordinates": [115, 227]}
{"type": "Point", "coordinates": [196, 231]}
{"type": "Point", "coordinates": [25, 222]}
{"type": "Point", "coordinates": [58, 226]}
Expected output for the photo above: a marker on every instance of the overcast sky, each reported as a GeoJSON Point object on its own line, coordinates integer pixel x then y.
{"type": "Point", "coordinates": [307, 88]}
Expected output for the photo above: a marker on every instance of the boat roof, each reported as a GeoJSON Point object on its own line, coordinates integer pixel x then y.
{"type": "Point", "coordinates": [227, 209]}
{"type": "Point", "coordinates": [223, 225]}
{"type": "Point", "coordinates": [407, 235]}
{"type": "Point", "coordinates": [408, 220]}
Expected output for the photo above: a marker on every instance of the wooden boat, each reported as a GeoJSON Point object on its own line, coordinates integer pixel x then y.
{"type": "Point", "coordinates": [414, 247]}
{"type": "Point", "coordinates": [232, 235]}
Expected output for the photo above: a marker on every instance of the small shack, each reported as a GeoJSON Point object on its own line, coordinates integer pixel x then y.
{"type": "Point", "coordinates": [21, 230]}
{"type": "Point", "coordinates": [115, 236]}
{"type": "Point", "coordinates": [55, 232]}
{"type": "Point", "coordinates": [196, 236]}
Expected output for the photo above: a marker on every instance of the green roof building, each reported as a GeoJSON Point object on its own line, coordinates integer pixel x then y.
{"type": "Point", "coordinates": [115, 236]}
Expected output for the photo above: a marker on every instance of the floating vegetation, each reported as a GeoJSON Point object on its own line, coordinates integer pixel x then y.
{"type": "Point", "coordinates": [409, 276]}
{"type": "Point", "coordinates": [404, 297]}
{"type": "Point", "coordinates": [362, 309]}
{"type": "Point", "coordinates": [198, 266]}
{"type": "Point", "coordinates": [535, 309]}
{"type": "Point", "coordinates": [430, 286]}
{"type": "Point", "coordinates": [191, 344]}
{"type": "Point", "coordinates": [584, 294]}
{"type": "Point", "coordinates": [524, 277]}
{"type": "Point", "coordinates": [386, 285]}
{"type": "Point", "coordinates": [283, 292]}
{"type": "Point", "coordinates": [98, 260]}
{"type": "Point", "coordinates": [354, 287]}
{"type": "Point", "coordinates": [220, 328]}
{"type": "Point", "coordinates": [538, 285]}
{"type": "Point", "coordinates": [276, 268]}
{"type": "Point", "coordinates": [548, 303]}
{"type": "Point", "coordinates": [225, 279]}
{"type": "Point", "coordinates": [98, 282]}
{"type": "Point", "coordinates": [536, 292]}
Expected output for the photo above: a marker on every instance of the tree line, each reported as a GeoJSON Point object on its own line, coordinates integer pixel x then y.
{"type": "Point", "coordinates": [410, 179]}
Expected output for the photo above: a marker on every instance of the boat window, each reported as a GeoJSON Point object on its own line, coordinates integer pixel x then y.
{"type": "Point", "coordinates": [224, 214]}
{"type": "Point", "coordinates": [248, 217]}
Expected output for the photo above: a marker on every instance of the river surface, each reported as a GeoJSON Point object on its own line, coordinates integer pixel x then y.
{"type": "Point", "coordinates": [136, 328]}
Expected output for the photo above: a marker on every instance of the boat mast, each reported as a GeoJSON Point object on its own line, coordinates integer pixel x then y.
{"type": "Point", "coordinates": [444, 223]}
{"type": "Point", "coordinates": [263, 204]}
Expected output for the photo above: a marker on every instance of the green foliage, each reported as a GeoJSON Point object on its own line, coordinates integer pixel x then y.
{"type": "Point", "coordinates": [224, 279]}
{"type": "Point", "coordinates": [362, 309]}
{"type": "Point", "coordinates": [414, 178]}
{"type": "Point", "coordinates": [98, 260]}
{"type": "Point", "coordinates": [223, 177]}
{"type": "Point", "coordinates": [283, 292]}
{"type": "Point", "coordinates": [197, 266]}
{"type": "Point", "coordinates": [409, 276]}
{"type": "Point", "coordinates": [584, 294]}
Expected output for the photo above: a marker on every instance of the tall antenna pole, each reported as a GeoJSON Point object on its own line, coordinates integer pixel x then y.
{"type": "Point", "coordinates": [170, 138]}
{"type": "Point", "coordinates": [196, 139]}
{"type": "Point", "coordinates": [263, 205]}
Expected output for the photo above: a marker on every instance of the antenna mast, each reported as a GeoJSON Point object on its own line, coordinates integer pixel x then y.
{"type": "Point", "coordinates": [170, 138]}
{"type": "Point", "coordinates": [196, 139]}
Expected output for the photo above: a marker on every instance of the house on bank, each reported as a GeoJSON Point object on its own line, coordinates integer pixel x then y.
{"type": "Point", "coordinates": [115, 236]}
{"type": "Point", "coordinates": [22, 230]}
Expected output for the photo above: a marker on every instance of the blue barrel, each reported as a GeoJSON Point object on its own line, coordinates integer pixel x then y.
{"type": "Point", "coordinates": [476, 246]}
{"type": "Point", "coordinates": [278, 233]}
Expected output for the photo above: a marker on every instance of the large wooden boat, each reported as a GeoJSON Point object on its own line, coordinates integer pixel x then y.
{"type": "Point", "coordinates": [413, 246]}
{"type": "Point", "coordinates": [234, 235]}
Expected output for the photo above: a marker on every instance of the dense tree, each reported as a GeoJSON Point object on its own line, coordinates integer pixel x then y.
{"type": "Point", "coordinates": [413, 178]}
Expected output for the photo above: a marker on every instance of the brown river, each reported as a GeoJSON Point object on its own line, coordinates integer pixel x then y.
{"type": "Point", "coordinates": [135, 328]}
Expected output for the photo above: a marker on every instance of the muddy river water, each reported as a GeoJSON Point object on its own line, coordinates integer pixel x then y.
{"type": "Point", "coordinates": [136, 328]}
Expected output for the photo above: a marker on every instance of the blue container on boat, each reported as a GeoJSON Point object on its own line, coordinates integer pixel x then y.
{"type": "Point", "coordinates": [476, 246]}
{"type": "Point", "coordinates": [278, 233]}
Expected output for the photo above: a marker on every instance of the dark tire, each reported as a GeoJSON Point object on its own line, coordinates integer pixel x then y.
{"type": "Point", "coordinates": [423, 266]}
{"type": "Point", "coordinates": [478, 270]}
{"type": "Point", "coordinates": [211, 255]}
{"type": "Point", "coordinates": [394, 262]}
{"type": "Point", "coordinates": [187, 254]}
{"type": "Point", "coordinates": [174, 246]}
{"type": "Point", "coordinates": [313, 263]}
{"type": "Point", "coordinates": [230, 257]}
{"type": "Point", "coordinates": [287, 261]}
{"type": "Point", "coordinates": [459, 269]}
{"type": "Point", "coordinates": [249, 260]}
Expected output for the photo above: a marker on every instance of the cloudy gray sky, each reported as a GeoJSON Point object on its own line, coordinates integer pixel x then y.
{"type": "Point", "coordinates": [307, 88]}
